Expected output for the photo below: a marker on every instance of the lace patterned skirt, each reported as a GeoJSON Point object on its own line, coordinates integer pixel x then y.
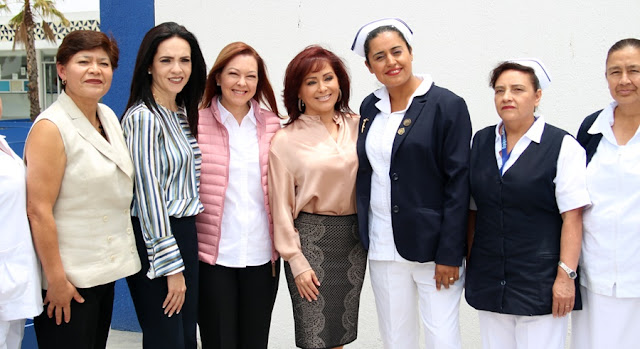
{"type": "Point", "coordinates": [332, 246]}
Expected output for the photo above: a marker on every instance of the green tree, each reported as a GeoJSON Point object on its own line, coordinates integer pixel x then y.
{"type": "Point", "coordinates": [24, 26]}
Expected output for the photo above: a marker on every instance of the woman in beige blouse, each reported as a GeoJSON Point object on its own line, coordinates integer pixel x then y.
{"type": "Point", "coordinates": [312, 172]}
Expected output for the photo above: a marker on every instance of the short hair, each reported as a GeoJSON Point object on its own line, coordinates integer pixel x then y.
{"type": "Point", "coordinates": [624, 43]}
{"type": "Point", "coordinates": [382, 29]}
{"type": "Point", "coordinates": [312, 59]}
{"type": "Point", "coordinates": [264, 91]}
{"type": "Point", "coordinates": [141, 80]}
{"type": "Point", "coordinates": [82, 40]}
{"type": "Point", "coordinates": [504, 66]}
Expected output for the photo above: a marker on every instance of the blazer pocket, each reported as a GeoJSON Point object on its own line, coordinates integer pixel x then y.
{"type": "Point", "coordinates": [14, 273]}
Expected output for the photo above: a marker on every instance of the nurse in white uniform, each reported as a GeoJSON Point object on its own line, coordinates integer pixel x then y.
{"type": "Point", "coordinates": [19, 271]}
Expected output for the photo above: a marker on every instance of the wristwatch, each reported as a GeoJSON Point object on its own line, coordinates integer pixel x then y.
{"type": "Point", "coordinates": [572, 273]}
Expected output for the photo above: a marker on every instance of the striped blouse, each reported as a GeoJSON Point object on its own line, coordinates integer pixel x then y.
{"type": "Point", "coordinates": [167, 159]}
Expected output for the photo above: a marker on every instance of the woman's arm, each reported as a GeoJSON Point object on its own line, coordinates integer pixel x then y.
{"type": "Point", "coordinates": [571, 196]}
{"type": "Point", "coordinates": [570, 245]}
{"type": "Point", "coordinates": [455, 167]}
{"type": "Point", "coordinates": [141, 132]}
{"type": "Point", "coordinates": [286, 239]}
{"type": "Point", "coordinates": [46, 161]}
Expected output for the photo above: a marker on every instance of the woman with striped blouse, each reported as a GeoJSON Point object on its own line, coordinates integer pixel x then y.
{"type": "Point", "coordinates": [159, 126]}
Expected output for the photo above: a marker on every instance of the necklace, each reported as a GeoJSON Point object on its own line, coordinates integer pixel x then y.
{"type": "Point", "coordinates": [158, 101]}
{"type": "Point", "coordinates": [99, 128]}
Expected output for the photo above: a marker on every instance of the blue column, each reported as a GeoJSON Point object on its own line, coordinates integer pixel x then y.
{"type": "Point", "coordinates": [127, 21]}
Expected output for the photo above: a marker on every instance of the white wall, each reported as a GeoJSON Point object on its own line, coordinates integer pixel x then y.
{"type": "Point", "coordinates": [457, 42]}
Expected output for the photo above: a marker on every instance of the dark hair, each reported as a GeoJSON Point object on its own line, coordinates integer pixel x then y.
{"type": "Point", "coordinates": [191, 94]}
{"type": "Point", "coordinates": [624, 43]}
{"type": "Point", "coordinates": [382, 29]}
{"type": "Point", "coordinates": [312, 59]}
{"type": "Point", "coordinates": [504, 66]}
{"type": "Point", "coordinates": [264, 91]}
{"type": "Point", "coordinates": [81, 40]}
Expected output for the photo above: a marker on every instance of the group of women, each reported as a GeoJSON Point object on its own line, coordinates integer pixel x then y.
{"type": "Point", "coordinates": [220, 191]}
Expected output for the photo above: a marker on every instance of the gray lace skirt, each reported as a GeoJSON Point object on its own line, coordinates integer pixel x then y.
{"type": "Point", "coordinates": [332, 246]}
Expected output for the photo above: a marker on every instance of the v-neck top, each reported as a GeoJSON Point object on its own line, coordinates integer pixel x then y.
{"type": "Point", "coordinates": [311, 172]}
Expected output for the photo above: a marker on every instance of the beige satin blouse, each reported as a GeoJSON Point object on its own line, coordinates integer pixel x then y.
{"type": "Point", "coordinates": [309, 171]}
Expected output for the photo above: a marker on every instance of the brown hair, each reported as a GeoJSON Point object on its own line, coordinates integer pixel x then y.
{"type": "Point", "coordinates": [264, 91]}
{"type": "Point", "coordinates": [81, 40]}
{"type": "Point", "coordinates": [504, 66]}
{"type": "Point", "coordinates": [312, 59]}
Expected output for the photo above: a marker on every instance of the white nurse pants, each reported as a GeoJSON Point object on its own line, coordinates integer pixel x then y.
{"type": "Point", "coordinates": [400, 289]}
{"type": "Point", "coordinates": [605, 322]}
{"type": "Point", "coordinates": [505, 331]}
{"type": "Point", "coordinates": [11, 333]}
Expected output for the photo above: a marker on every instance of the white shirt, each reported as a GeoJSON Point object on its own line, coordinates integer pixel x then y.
{"type": "Point", "coordinates": [20, 287]}
{"type": "Point", "coordinates": [378, 146]}
{"type": "Point", "coordinates": [571, 189]}
{"type": "Point", "coordinates": [244, 232]}
{"type": "Point", "coordinates": [611, 237]}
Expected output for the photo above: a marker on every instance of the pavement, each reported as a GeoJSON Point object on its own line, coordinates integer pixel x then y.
{"type": "Point", "coordinates": [282, 327]}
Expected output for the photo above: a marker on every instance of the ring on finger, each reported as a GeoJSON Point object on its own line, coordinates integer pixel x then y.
{"type": "Point", "coordinates": [452, 279]}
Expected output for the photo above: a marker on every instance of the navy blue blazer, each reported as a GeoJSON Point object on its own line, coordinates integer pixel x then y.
{"type": "Point", "coordinates": [429, 177]}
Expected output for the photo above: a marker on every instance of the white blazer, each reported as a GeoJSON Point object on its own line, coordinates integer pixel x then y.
{"type": "Point", "coordinates": [92, 211]}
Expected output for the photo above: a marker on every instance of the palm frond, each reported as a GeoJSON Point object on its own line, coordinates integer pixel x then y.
{"type": "Point", "coordinates": [47, 10]}
{"type": "Point", "coordinates": [17, 20]}
{"type": "Point", "coordinates": [49, 35]}
{"type": "Point", "coordinates": [20, 35]}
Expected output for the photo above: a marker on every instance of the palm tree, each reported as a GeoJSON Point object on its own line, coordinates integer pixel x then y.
{"type": "Point", "coordinates": [24, 25]}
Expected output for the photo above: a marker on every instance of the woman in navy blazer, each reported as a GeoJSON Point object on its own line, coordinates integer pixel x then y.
{"type": "Point", "coordinates": [412, 191]}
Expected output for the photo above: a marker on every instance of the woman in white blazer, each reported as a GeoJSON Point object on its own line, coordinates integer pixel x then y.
{"type": "Point", "coordinates": [80, 188]}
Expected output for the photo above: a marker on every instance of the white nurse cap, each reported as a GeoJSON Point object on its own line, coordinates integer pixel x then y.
{"type": "Point", "coordinates": [363, 32]}
{"type": "Point", "coordinates": [540, 70]}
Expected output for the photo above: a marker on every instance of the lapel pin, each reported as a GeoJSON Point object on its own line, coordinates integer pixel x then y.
{"type": "Point", "coordinates": [364, 123]}
{"type": "Point", "coordinates": [406, 122]}
{"type": "Point", "coordinates": [401, 131]}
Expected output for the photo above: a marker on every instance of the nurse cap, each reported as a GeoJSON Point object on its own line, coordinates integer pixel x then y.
{"type": "Point", "coordinates": [363, 32]}
{"type": "Point", "coordinates": [540, 70]}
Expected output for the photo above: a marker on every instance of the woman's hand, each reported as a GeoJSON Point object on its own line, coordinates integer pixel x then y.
{"type": "Point", "coordinates": [446, 275]}
{"type": "Point", "coordinates": [175, 295]}
{"type": "Point", "coordinates": [564, 294]}
{"type": "Point", "coordinates": [58, 298]}
{"type": "Point", "coordinates": [307, 284]}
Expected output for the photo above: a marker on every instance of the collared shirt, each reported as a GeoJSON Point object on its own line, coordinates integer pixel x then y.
{"type": "Point", "coordinates": [379, 145]}
{"type": "Point", "coordinates": [167, 159]}
{"type": "Point", "coordinates": [571, 191]}
{"type": "Point", "coordinates": [611, 238]}
{"type": "Point", "coordinates": [244, 237]}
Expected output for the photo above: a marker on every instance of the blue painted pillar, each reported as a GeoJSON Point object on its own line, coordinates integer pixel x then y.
{"type": "Point", "coordinates": [127, 21]}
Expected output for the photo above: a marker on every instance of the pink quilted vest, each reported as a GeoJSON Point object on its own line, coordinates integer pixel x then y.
{"type": "Point", "coordinates": [213, 139]}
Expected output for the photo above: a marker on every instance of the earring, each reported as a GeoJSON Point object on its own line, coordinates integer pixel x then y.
{"type": "Point", "coordinates": [149, 72]}
{"type": "Point", "coordinates": [64, 82]}
{"type": "Point", "coordinates": [339, 95]}
{"type": "Point", "coordinates": [301, 105]}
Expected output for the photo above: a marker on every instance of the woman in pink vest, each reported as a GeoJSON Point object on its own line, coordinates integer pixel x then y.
{"type": "Point", "coordinates": [239, 267]}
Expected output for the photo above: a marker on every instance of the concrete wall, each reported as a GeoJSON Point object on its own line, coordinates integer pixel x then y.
{"type": "Point", "coordinates": [457, 42]}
